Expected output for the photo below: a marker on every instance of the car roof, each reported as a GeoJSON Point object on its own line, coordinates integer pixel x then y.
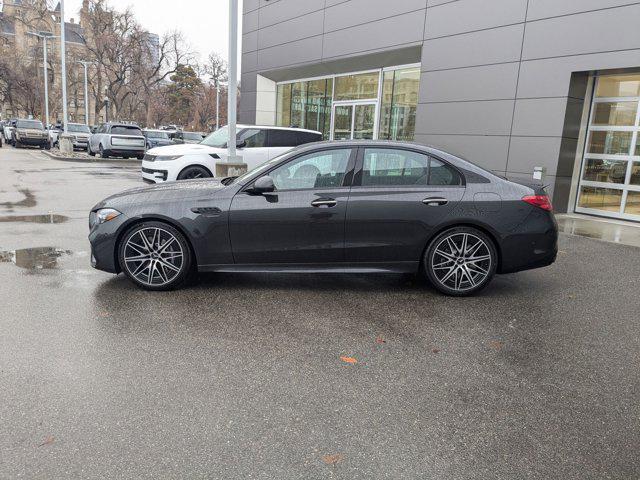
{"type": "Point", "coordinates": [273, 127]}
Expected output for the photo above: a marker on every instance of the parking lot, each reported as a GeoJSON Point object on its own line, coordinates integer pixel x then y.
{"type": "Point", "coordinates": [296, 376]}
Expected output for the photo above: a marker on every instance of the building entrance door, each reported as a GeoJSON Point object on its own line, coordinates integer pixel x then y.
{"type": "Point", "coordinates": [354, 121]}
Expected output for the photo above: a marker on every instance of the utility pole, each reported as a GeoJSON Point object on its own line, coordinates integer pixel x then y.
{"type": "Point", "coordinates": [45, 36]}
{"type": "Point", "coordinates": [232, 91]}
{"type": "Point", "coordinates": [86, 64]}
{"type": "Point", "coordinates": [63, 55]}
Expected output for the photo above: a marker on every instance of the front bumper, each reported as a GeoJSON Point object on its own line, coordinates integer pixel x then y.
{"type": "Point", "coordinates": [32, 141]}
{"type": "Point", "coordinates": [152, 175]}
{"type": "Point", "coordinates": [103, 239]}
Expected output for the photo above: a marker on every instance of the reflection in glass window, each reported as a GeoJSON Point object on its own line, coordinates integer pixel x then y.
{"type": "Point", "coordinates": [635, 174]}
{"type": "Point", "coordinates": [305, 105]}
{"type": "Point", "coordinates": [610, 143]}
{"type": "Point", "coordinates": [283, 106]}
{"type": "Point", "coordinates": [390, 167]}
{"type": "Point", "coordinates": [400, 91]}
{"type": "Point", "coordinates": [608, 171]}
{"type": "Point", "coordinates": [607, 199]}
{"type": "Point", "coordinates": [316, 170]}
{"type": "Point", "coordinates": [357, 87]}
{"type": "Point", "coordinates": [633, 203]}
{"type": "Point", "coordinates": [618, 86]}
{"type": "Point", "coordinates": [298, 101]}
{"type": "Point", "coordinates": [615, 113]}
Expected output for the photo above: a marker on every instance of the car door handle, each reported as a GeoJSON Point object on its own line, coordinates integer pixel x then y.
{"type": "Point", "coordinates": [435, 201]}
{"type": "Point", "coordinates": [324, 202]}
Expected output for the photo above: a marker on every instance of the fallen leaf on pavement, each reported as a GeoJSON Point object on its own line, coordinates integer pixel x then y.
{"type": "Point", "coordinates": [496, 344]}
{"type": "Point", "coordinates": [436, 350]}
{"type": "Point", "coordinates": [332, 459]}
{"type": "Point", "coordinates": [350, 360]}
{"type": "Point", "coordinates": [47, 441]}
{"type": "Point", "coordinates": [380, 340]}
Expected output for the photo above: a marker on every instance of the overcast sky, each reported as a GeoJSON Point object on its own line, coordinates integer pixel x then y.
{"type": "Point", "coordinates": [203, 22]}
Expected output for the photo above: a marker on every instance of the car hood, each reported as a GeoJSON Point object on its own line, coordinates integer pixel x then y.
{"type": "Point", "coordinates": [161, 193]}
{"type": "Point", "coordinates": [187, 149]}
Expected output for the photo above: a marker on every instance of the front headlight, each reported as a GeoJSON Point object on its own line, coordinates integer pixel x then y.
{"type": "Point", "coordinates": [103, 215]}
{"type": "Point", "coordinates": [165, 158]}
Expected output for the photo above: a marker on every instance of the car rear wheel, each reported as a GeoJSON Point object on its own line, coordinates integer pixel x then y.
{"type": "Point", "coordinates": [194, 172]}
{"type": "Point", "coordinates": [102, 153]}
{"type": "Point", "coordinates": [155, 256]}
{"type": "Point", "coordinates": [461, 261]}
{"type": "Point", "coordinates": [90, 152]}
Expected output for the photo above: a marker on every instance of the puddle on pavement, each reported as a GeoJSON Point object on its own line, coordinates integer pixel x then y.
{"type": "Point", "coordinates": [34, 258]}
{"type": "Point", "coordinates": [28, 201]}
{"type": "Point", "coordinates": [48, 218]}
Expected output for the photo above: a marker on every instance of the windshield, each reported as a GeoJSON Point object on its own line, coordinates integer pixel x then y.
{"type": "Point", "coordinates": [30, 124]}
{"type": "Point", "coordinates": [217, 139]}
{"type": "Point", "coordinates": [78, 128]}
{"type": "Point", "coordinates": [163, 135]}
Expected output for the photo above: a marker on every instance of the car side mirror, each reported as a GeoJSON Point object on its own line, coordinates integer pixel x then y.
{"type": "Point", "coordinates": [264, 185]}
{"type": "Point", "coordinates": [241, 144]}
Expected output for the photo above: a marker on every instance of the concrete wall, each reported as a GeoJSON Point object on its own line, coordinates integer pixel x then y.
{"type": "Point", "coordinates": [503, 81]}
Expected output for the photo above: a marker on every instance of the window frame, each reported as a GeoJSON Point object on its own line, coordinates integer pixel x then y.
{"type": "Point", "coordinates": [346, 181]}
{"type": "Point", "coordinates": [359, 168]}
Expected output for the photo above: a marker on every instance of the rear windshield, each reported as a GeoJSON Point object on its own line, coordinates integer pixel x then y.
{"type": "Point", "coordinates": [36, 124]}
{"type": "Point", "coordinates": [79, 128]}
{"type": "Point", "coordinates": [125, 130]}
{"type": "Point", "coordinates": [192, 136]}
{"type": "Point", "coordinates": [163, 135]}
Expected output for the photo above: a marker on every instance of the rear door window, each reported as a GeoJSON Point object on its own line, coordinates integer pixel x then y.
{"type": "Point", "coordinates": [387, 167]}
{"type": "Point", "coordinates": [254, 138]}
{"type": "Point", "coordinates": [282, 138]}
{"type": "Point", "coordinates": [308, 137]}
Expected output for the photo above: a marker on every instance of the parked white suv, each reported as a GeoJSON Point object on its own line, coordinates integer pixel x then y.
{"type": "Point", "coordinates": [256, 144]}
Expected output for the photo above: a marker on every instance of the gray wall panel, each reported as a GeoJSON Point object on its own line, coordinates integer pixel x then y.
{"type": "Point", "coordinates": [250, 61]}
{"type": "Point", "coordinates": [488, 82]}
{"type": "Point", "coordinates": [250, 42]}
{"type": "Point", "coordinates": [250, 21]}
{"type": "Point", "coordinates": [550, 8]}
{"type": "Point", "coordinates": [250, 5]}
{"type": "Point", "coordinates": [491, 117]}
{"type": "Point", "coordinates": [599, 31]}
{"type": "Point", "coordinates": [469, 15]}
{"type": "Point", "coordinates": [394, 31]}
{"type": "Point", "coordinates": [356, 12]}
{"type": "Point", "coordinates": [307, 50]}
{"type": "Point", "coordinates": [498, 45]}
{"type": "Point", "coordinates": [291, 30]}
{"type": "Point", "coordinates": [528, 152]}
{"type": "Point", "coordinates": [546, 117]}
{"type": "Point", "coordinates": [275, 12]}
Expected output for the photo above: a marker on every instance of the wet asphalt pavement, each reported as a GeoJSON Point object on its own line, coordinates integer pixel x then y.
{"type": "Point", "coordinates": [241, 376]}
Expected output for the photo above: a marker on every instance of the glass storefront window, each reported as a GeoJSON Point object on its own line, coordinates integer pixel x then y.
{"type": "Point", "coordinates": [298, 101]}
{"type": "Point", "coordinates": [615, 113]}
{"type": "Point", "coordinates": [610, 143]}
{"type": "Point", "coordinates": [607, 199]}
{"type": "Point", "coordinates": [632, 206]}
{"type": "Point", "coordinates": [305, 105]}
{"type": "Point", "coordinates": [618, 86]}
{"type": "Point", "coordinates": [362, 86]}
{"type": "Point", "coordinates": [635, 174]}
{"type": "Point", "coordinates": [607, 171]}
{"type": "Point", "coordinates": [283, 106]}
{"type": "Point", "coordinates": [400, 90]}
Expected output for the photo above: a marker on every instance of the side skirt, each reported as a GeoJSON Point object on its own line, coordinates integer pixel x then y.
{"type": "Point", "coordinates": [397, 267]}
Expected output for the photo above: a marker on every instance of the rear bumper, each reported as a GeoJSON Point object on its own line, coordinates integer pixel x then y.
{"type": "Point", "coordinates": [533, 245]}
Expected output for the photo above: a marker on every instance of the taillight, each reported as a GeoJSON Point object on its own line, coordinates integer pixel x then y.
{"type": "Point", "coordinates": [540, 201]}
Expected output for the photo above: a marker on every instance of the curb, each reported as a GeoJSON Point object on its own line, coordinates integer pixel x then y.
{"type": "Point", "coordinates": [92, 159]}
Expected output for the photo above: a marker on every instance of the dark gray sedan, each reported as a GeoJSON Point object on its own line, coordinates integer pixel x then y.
{"type": "Point", "coordinates": [357, 207]}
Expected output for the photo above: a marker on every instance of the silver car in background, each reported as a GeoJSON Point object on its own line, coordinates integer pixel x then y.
{"type": "Point", "coordinates": [117, 140]}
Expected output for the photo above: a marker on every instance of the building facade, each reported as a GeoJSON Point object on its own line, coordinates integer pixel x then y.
{"type": "Point", "coordinates": [516, 86]}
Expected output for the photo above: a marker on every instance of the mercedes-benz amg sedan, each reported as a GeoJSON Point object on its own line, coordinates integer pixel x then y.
{"type": "Point", "coordinates": [351, 206]}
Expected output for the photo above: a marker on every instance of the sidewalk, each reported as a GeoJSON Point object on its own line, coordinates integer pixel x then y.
{"type": "Point", "coordinates": [614, 231]}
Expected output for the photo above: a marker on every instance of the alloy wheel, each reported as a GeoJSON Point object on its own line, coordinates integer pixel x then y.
{"type": "Point", "coordinates": [461, 261]}
{"type": "Point", "coordinates": [153, 256]}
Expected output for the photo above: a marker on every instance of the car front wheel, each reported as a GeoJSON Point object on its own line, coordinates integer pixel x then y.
{"type": "Point", "coordinates": [193, 172]}
{"type": "Point", "coordinates": [155, 256]}
{"type": "Point", "coordinates": [461, 261]}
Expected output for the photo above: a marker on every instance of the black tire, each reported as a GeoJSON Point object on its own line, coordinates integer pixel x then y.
{"type": "Point", "coordinates": [456, 274]}
{"type": "Point", "coordinates": [90, 152]}
{"type": "Point", "coordinates": [194, 171]}
{"type": "Point", "coordinates": [102, 153]}
{"type": "Point", "coordinates": [129, 267]}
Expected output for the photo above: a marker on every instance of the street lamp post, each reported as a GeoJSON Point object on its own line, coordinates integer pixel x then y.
{"type": "Point", "coordinates": [45, 36]}
{"type": "Point", "coordinates": [63, 56]}
{"type": "Point", "coordinates": [232, 90]}
{"type": "Point", "coordinates": [86, 64]}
